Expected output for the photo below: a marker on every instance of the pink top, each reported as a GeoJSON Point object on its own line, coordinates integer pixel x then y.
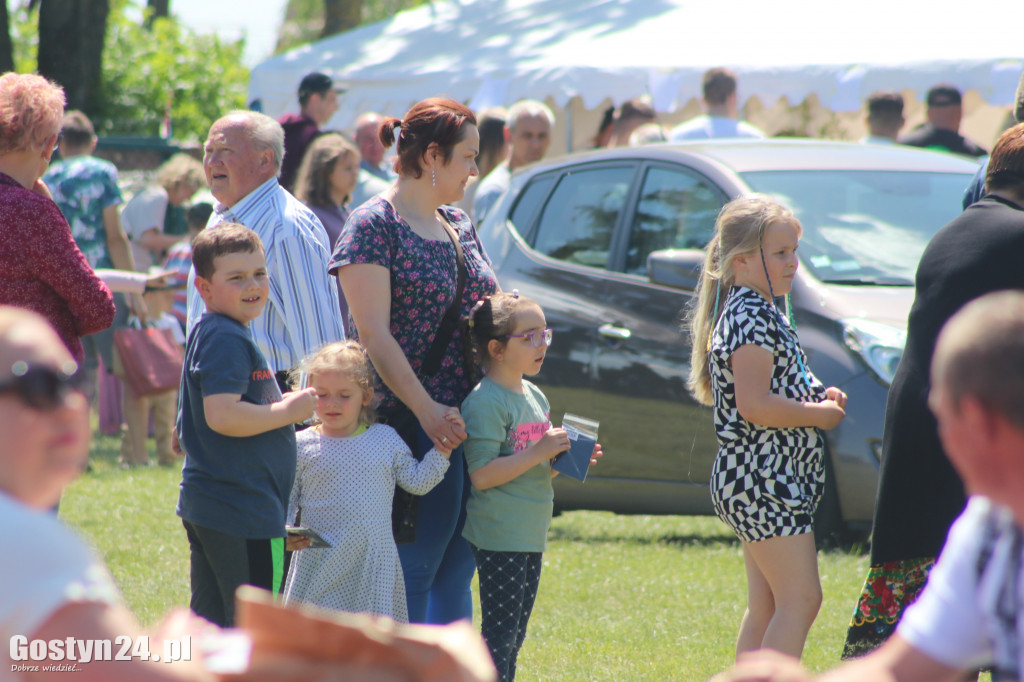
{"type": "Point", "coordinates": [42, 269]}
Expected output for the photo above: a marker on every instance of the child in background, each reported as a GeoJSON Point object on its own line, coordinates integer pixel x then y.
{"type": "Point", "coordinates": [747, 363]}
{"type": "Point", "coordinates": [344, 483]}
{"type": "Point", "coordinates": [164, 406]}
{"type": "Point", "coordinates": [236, 429]}
{"type": "Point", "coordinates": [179, 257]}
{"type": "Point", "coordinates": [508, 454]}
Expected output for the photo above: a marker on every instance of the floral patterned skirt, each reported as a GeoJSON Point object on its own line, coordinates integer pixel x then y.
{"type": "Point", "coordinates": [889, 589]}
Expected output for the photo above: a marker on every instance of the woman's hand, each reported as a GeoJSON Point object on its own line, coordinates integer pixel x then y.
{"type": "Point", "coordinates": [444, 425]}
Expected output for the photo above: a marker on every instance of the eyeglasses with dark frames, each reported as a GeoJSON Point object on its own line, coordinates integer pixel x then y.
{"type": "Point", "coordinates": [41, 387]}
{"type": "Point", "coordinates": [537, 338]}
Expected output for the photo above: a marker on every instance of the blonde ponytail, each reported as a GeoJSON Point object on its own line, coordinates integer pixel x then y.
{"type": "Point", "coordinates": [702, 319]}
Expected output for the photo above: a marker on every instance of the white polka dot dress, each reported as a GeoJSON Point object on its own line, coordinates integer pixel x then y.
{"type": "Point", "coordinates": [344, 488]}
{"type": "Point", "coordinates": [766, 482]}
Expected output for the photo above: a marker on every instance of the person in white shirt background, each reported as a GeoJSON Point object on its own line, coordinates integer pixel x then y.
{"type": "Point", "coordinates": [722, 107]}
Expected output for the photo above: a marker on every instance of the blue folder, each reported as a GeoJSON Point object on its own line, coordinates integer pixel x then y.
{"type": "Point", "coordinates": [575, 461]}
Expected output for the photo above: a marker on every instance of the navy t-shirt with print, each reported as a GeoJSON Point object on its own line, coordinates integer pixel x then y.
{"type": "Point", "coordinates": [237, 486]}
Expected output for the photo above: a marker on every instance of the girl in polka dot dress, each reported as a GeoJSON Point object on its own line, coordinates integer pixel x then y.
{"type": "Point", "coordinates": [344, 482]}
{"type": "Point", "coordinates": [747, 363]}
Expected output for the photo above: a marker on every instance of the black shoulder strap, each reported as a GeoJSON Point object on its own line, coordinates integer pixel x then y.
{"type": "Point", "coordinates": [432, 362]}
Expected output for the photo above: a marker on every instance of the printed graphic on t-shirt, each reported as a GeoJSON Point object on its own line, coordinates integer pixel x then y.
{"type": "Point", "coordinates": [262, 375]}
{"type": "Point", "coordinates": [524, 435]}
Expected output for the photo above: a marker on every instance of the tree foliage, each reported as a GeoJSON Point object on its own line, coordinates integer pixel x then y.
{"type": "Point", "coordinates": [145, 70]}
{"type": "Point", "coordinates": [199, 76]}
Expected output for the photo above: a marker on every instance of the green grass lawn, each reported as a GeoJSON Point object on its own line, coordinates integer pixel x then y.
{"type": "Point", "coordinates": [621, 597]}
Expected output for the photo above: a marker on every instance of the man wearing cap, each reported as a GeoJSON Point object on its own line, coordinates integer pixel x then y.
{"type": "Point", "coordinates": [318, 100]}
{"type": "Point", "coordinates": [942, 130]}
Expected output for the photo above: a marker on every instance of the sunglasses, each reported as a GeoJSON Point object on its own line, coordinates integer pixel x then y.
{"type": "Point", "coordinates": [60, 138]}
{"type": "Point", "coordinates": [41, 387]}
{"type": "Point", "coordinates": [538, 338]}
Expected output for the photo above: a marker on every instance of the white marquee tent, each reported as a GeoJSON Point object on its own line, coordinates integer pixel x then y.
{"type": "Point", "coordinates": [580, 55]}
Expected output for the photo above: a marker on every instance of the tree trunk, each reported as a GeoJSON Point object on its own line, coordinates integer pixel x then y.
{"type": "Point", "coordinates": [6, 49]}
{"type": "Point", "coordinates": [341, 15]}
{"type": "Point", "coordinates": [156, 9]}
{"type": "Point", "coordinates": [71, 34]}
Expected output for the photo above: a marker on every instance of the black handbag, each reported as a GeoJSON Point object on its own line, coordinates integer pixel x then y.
{"type": "Point", "coordinates": [405, 505]}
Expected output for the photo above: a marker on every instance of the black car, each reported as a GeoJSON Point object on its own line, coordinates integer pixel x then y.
{"type": "Point", "coordinates": [609, 243]}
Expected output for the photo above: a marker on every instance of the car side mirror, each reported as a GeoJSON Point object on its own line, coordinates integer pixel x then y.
{"type": "Point", "coordinates": [678, 268]}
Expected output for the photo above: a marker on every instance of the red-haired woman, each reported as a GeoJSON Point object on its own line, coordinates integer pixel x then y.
{"type": "Point", "coordinates": [397, 263]}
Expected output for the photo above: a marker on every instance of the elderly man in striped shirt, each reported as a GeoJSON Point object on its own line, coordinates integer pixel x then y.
{"type": "Point", "coordinates": [242, 161]}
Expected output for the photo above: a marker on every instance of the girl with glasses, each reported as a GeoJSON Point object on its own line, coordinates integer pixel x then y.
{"type": "Point", "coordinates": [509, 450]}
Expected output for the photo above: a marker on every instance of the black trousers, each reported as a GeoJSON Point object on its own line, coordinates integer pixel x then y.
{"type": "Point", "coordinates": [220, 563]}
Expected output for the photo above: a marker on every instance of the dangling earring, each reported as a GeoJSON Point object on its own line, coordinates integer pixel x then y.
{"type": "Point", "coordinates": [433, 178]}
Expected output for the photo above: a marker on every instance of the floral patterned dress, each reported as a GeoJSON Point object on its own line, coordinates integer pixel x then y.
{"type": "Point", "coordinates": [423, 282]}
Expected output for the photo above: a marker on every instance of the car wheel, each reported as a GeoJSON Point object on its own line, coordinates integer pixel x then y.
{"type": "Point", "coordinates": [829, 527]}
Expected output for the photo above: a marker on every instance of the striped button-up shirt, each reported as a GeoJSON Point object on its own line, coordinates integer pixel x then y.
{"type": "Point", "coordinates": [302, 312]}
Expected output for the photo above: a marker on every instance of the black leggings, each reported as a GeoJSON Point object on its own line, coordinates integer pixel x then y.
{"type": "Point", "coordinates": [508, 588]}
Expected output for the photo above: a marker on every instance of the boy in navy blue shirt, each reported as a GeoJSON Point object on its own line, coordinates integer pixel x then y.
{"type": "Point", "coordinates": [236, 429]}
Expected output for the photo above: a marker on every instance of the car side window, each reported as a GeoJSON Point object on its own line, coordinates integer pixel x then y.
{"type": "Point", "coordinates": [676, 210]}
{"type": "Point", "coordinates": [528, 201]}
{"type": "Point", "coordinates": [579, 218]}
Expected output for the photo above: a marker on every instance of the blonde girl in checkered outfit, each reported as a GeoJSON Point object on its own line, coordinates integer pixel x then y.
{"type": "Point", "coordinates": [746, 362]}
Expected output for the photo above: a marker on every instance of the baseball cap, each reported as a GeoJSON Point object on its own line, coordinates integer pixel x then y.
{"type": "Point", "coordinates": [943, 96]}
{"type": "Point", "coordinates": [315, 82]}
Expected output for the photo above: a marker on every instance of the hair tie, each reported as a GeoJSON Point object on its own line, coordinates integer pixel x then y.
{"type": "Point", "coordinates": [475, 309]}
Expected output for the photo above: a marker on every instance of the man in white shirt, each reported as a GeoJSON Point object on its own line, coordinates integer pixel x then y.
{"type": "Point", "coordinates": [720, 103]}
{"type": "Point", "coordinates": [242, 161]}
{"type": "Point", "coordinates": [970, 614]}
{"type": "Point", "coordinates": [528, 131]}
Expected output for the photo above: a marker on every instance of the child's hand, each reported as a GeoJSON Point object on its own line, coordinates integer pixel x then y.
{"type": "Point", "coordinates": [554, 441]}
{"type": "Point", "coordinates": [453, 416]}
{"type": "Point", "coordinates": [300, 405]}
{"type": "Point", "coordinates": [830, 413]}
{"type": "Point", "coordinates": [838, 396]}
{"type": "Point", "coordinates": [598, 452]}
{"type": "Point", "coordinates": [294, 543]}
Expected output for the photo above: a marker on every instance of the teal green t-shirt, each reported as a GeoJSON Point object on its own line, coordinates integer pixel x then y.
{"type": "Point", "coordinates": [515, 516]}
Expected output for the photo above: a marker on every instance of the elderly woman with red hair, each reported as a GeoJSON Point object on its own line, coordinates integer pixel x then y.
{"type": "Point", "coordinates": [41, 267]}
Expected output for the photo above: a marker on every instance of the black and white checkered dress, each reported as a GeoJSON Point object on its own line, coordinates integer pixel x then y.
{"type": "Point", "coordinates": [766, 482]}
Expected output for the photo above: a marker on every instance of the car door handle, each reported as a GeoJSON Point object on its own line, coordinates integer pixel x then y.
{"type": "Point", "coordinates": [610, 331]}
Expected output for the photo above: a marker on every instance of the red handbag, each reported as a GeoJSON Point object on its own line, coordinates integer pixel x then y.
{"type": "Point", "coordinates": [151, 359]}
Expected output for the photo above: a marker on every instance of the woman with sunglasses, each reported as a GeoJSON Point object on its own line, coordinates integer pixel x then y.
{"type": "Point", "coordinates": [398, 262]}
{"type": "Point", "coordinates": [41, 267]}
{"type": "Point", "coordinates": [55, 588]}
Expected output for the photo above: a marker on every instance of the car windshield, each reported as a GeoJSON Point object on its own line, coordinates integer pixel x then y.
{"type": "Point", "coordinates": [864, 227]}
